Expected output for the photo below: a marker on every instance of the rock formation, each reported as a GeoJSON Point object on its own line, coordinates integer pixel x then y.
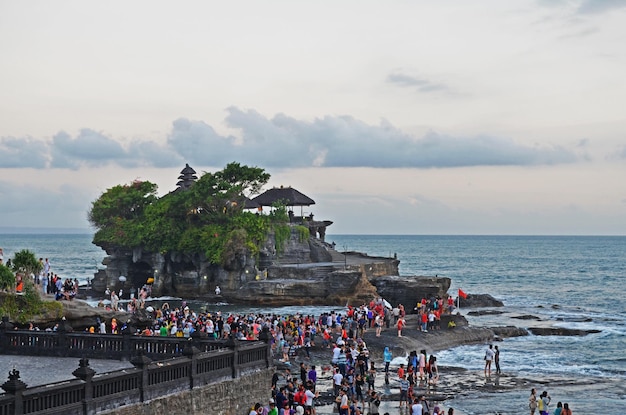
{"type": "Point", "coordinates": [307, 271]}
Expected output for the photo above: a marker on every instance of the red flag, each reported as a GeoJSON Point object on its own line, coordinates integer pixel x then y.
{"type": "Point", "coordinates": [462, 293]}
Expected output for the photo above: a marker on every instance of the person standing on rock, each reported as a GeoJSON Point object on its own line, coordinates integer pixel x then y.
{"type": "Point", "coordinates": [532, 401]}
{"type": "Point", "coordinates": [496, 359]}
{"type": "Point", "coordinates": [489, 353]}
{"type": "Point", "coordinates": [404, 392]}
{"type": "Point", "coordinates": [387, 357]}
{"type": "Point", "coordinates": [401, 324]}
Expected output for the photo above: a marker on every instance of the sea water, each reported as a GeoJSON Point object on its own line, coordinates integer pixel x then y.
{"type": "Point", "coordinates": [566, 281]}
{"type": "Point", "coordinates": [575, 282]}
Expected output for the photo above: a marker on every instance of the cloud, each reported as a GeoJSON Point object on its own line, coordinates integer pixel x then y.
{"type": "Point", "coordinates": [148, 153]}
{"type": "Point", "coordinates": [421, 85]}
{"type": "Point", "coordinates": [599, 6]}
{"type": "Point", "coordinates": [89, 148]}
{"type": "Point", "coordinates": [280, 142]}
{"type": "Point", "coordinates": [23, 152]}
{"type": "Point", "coordinates": [198, 143]}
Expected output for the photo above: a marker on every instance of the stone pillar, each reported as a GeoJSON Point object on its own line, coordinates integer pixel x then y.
{"type": "Point", "coordinates": [5, 326]}
{"type": "Point", "coordinates": [190, 351]}
{"type": "Point", "coordinates": [86, 373]}
{"type": "Point", "coordinates": [233, 344]}
{"type": "Point", "coordinates": [265, 336]}
{"type": "Point", "coordinates": [15, 387]}
{"type": "Point", "coordinates": [141, 361]}
{"type": "Point", "coordinates": [63, 341]}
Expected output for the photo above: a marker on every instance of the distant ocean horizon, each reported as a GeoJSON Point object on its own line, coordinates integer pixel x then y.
{"type": "Point", "coordinates": [565, 281]}
{"type": "Point", "coordinates": [19, 230]}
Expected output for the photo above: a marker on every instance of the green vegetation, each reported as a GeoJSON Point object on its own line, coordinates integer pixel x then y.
{"type": "Point", "coordinates": [206, 219]}
{"type": "Point", "coordinates": [24, 306]}
{"type": "Point", "coordinates": [7, 278]}
{"type": "Point", "coordinates": [26, 262]}
{"type": "Point", "coordinates": [303, 233]}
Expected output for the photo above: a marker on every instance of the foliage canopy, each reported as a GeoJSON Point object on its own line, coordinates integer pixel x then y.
{"type": "Point", "coordinates": [208, 218]}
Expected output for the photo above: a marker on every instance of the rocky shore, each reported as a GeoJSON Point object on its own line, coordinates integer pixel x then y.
{"type": "Point", "coordinates": [455, 383]}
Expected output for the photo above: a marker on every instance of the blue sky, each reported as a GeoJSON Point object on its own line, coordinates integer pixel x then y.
{"type": "Point", "coordinates": [402, 117]}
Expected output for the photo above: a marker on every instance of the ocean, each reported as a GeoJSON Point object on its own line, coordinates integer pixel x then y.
{"type": "Point", "coordinates": [565, 281]}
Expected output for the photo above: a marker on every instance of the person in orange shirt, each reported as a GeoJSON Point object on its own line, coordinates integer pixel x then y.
{"type": "Point", "coordinates": [401, 371]}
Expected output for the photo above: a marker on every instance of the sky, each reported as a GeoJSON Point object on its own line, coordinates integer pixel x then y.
{"type": "Point", "coordinates": [396, 117]}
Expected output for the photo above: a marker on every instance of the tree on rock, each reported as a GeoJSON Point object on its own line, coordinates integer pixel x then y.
{"type": "Point", "coordinates": [7, 278]}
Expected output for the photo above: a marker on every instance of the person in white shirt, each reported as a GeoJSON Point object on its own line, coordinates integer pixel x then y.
{"type": "Point", "coordinates": [337, 379]}
{"type": "Point", "coordinates": [489, 354]}
{"type": "Point", "coordinates": [416, 408]}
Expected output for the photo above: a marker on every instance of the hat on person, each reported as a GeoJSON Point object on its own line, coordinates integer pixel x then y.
{"type": "Point", "coordinates": [272, 402]}
{"type": "Point", "coordinates": [299, 410]}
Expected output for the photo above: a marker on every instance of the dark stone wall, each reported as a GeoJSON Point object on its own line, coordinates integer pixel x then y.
{"type": "Point", "coordinates": [231, 397]}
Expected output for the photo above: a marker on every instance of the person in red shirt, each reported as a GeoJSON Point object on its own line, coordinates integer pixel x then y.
{"type": "Point", "coordinates": [401, 324]}
{"type": "Point", "coordinates": [401, 371]}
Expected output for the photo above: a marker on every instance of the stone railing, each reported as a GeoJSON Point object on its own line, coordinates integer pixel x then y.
{"type": "Point", "coordinates": [102, 346]}
{"type": "Point", "coordinates": [91, 393]}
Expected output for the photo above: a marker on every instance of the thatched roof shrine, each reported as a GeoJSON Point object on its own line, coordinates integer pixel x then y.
{"type": "Point", "coordinates": [287, 195]}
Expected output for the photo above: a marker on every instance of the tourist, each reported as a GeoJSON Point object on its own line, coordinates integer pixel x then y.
{"type": "Point", "coordinates": [359, 383]}
{"type": "Point", "coordinates": [309, 403]}
{"type": "Point", "coordinates": [404, 391]}
{"type": "Point", "coordinates": [378, 322]}
{"type": "Point", "coordinates": [401, 371]}
{"type": "Point", "coordinates": [344, 407]}
{"type": "Point", "coordinates": [255, 409]}
{"type": "Point", "coordinates": [532, 401]}
{"type": "Point", "coordinates": [272, 410]}
{"type": "Point", "coordinates": [450, 411]}
{"type": "Point", "coordinates": [45, 281]}
{"type": "Point", "coordinates": [337, 379]}
{"type": "Point", "coordinates": [566, 410]}
{"type": "Point", "coordinates": [496, 359]}
{"type": "Point", "coordinates": [312, 377]}
{"type": "Point", "coordinates": [559, 409]}
{"type": "Point", "coordinates": [417, 408]}
{"type": "Point", "coordinates": [424, 320]}
{"type": "Point", "coordinates": [114, 300]}
{"type": "Point", "coordinates": [371, 378]}
{"type": "Point", "coordinates": [387, 357]}
{"type": "Point", "coordinates": [422, 365]}
{"type": "Point", "coordinates": [303, 372]}
{"type": "Point", "coordinates": [374, 403]}
{"type": "Point", "coordinates": [489, 353]}
{"type": "Point", "coordinates": [401, 325]}
{"type": "Point", "coordinates": [543, 403]}
{"type": "Point", "coordinates": [433, 370]}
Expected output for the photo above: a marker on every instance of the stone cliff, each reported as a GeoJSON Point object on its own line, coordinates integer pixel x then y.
{"type": "Point", "coordinates": [307, 271]}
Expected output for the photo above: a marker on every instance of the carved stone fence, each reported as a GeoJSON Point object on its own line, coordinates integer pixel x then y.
{"type": "Point", "coordinates": [101, 346]}
{"type": "Point", "coordinates": [91, 393]}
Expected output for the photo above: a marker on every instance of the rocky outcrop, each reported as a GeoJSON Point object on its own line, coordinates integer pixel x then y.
{"type": "Point", "coordinates": [306, 271]}
{"type": "Point", "coordinates": [479, 300]}
{"type": "Point", "coordinates": [409, 290]}
{"type": "Point", "coordinates": [560, 331]}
